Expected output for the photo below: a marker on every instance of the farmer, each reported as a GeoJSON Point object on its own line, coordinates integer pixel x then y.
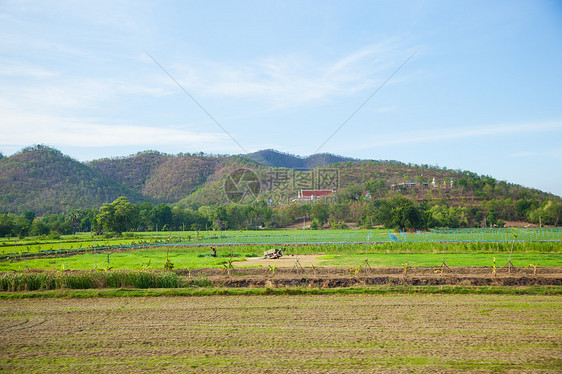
{"type": "Point", "coordinates": [214, 252]}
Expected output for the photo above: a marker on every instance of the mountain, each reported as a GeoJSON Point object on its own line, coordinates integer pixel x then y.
{"type": "Point", "coordinates": [43, 180]}
{"type": "Point", "coordinates": [276, 159]}
{"type": "Point", "coordinates": [132, 171]}
{"type": "Point", "coordinates": [159, 177]}
{"type": "Point", "coordinates": [165, 178]}
{"type": "Point", "coordinates": [382, 179]}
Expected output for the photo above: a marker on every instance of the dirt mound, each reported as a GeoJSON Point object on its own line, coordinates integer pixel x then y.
{"type": "Point", "coordinates": [338, 277]}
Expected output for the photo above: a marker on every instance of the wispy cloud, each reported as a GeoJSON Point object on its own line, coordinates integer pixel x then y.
{"type": "Point", "coordinates": [528, 154]}
{"type": "Point", "coordinates": [45, 91]}
{"type": "Point", "coordinates": [21, 69]}
{"type": "Point", "coordinates": [551, 152]}
{"type": "Point", "coordinates": [45, 106]}
{"type": "Point", "coordinates": [430, 136]}
{"type": "Point", "coordinates": [291, 80]}
{"type": "Point", "coordinates": [79, 133]}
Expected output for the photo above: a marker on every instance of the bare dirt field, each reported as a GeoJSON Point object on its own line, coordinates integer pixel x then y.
{"type": "Point", "coordinates": [284, 334]}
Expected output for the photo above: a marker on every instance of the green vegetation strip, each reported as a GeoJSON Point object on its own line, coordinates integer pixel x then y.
{"type": "Point", "coordinates": [111, 279]}
{"type": "Point", "coordinates": [435, 259]}
{"type": "Point", "coordinates": [463, 238]}
{"type": "Point", "coordinates": [211, 291]}
{"type": "Point", "coordinates": [337, 256]}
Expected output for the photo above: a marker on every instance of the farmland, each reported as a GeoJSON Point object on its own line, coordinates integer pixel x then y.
{"type": "Point", "coordinates": [155, 258]}
{"type": "Point", "coordinates": [191, 253]}
{"type": "Point", "coordinates": [338, 305]}
{"type": "Point", "coordinates": [279, 334]}
{"type": "Point", "coordinates": [83, 242]}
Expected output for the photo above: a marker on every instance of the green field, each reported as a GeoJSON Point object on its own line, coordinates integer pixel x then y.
{"type": "Point", "coordinates": [134, 251]}
{"type": "Point", "coordinates": [453, 260]}
{"type": "Point", "coordinates": [336, 256]}
{"type": "Point", "coordinates": [88, 241]}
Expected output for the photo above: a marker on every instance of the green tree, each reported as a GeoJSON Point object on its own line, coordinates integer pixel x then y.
{"type": "Point", "coordinates": [38, 227]}
{"type": "Point", "coordinates": [29, 216]}
{"type": "Point", "coordinates": [522, 207]}
{"type": "Point", "coordinates": [492, 217]}
{"type": "Point", "coordinates": [549, 213]}
{"type": "Point", "coordinates": [400, 212]}
{"type": "Point", "coordinates": [235, 217]}
{"type": "Point", "coordinates": [126, 215]}
{"type": "Point", "coordinates": [353, 192]}
{"type": "Point", "coordinates": [321, 212]}
{"type": "Point", "coordinates": [145, 218]}
{"type": "Point", "coordinates": [315, 224]}
{"type": "Point", "coordinates": [118, 216]}
{"type": "Point", "coordinates": [161, 216]}
{"type": "Point", "coordinates": [6, 224]}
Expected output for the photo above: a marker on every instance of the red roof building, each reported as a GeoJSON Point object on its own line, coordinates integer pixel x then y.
{"type": "Point", "coordinates": [313, 194]}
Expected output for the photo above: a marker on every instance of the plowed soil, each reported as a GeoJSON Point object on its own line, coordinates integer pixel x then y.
{"type": "Point", "coordinates": [283, 334]}
{"type": "Point", "coordinates": [287, 274]}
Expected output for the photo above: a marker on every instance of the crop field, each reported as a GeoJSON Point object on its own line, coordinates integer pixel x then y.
{"type": "Point", "coordinates": [84, 242]}
{"type": "Point", "coordinates": [281, 334]}
{"type": "Point", "coordinates": [385, 255]}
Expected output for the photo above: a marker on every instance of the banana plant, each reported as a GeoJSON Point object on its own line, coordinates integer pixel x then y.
{"type": "Point", "coordinates": [406, 267]}
{"type": "Point", "coordinates": [272, 269]}
{"type": "Point", "coordinates": [534, 266]}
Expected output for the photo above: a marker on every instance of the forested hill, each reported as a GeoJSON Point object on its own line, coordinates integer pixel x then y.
{"type": "Point", "coordinates": [43, 180]}
{"type": "Point", "coordinates": [159, 177]}
{"type": "Point", "coordinates": [276, 159]}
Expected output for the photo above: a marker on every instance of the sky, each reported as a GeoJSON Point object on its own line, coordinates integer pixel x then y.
{"type": "Point", "coordinates": [470, 85]}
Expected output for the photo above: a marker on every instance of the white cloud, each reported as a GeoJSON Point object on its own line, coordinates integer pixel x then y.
{"type": "Point", "coordinates": [70, 108]}
{"type": "Point", "coordinates": [555, 153]}
{"type": "Point", "coordinates": [20, 127]}
{"type": "Point", "coordinates": [20, 69]}
{"type": "Point", "coordinates": [26, 130]}
{"type": "Point", "coordinates": [458, 133]}
{"type": "Point", "coordinates": [63, 95]}
{"type": "Point", "coordinates": [291, 80]}
{"type": "Point", "coordinates": [528, 154]}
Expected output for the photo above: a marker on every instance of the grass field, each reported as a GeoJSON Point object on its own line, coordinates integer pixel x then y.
{"type": "Point", "coordinates": [453, 260]}
{"type": "Point", "coordinates": [337, 256]}
{"type": "Point", "coordinates": [280, 334]}
{"type": "Point", "coordinates": [88, 241]}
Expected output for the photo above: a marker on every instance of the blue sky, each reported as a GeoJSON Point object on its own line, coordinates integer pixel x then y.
{"type": "Point", "coordinates": [482, 92]}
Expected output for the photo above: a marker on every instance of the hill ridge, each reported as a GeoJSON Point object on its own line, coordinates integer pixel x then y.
{"type": "Point", "coordinates": [274, 158]}
{"type": "Point", "coordinates": [44, 180]}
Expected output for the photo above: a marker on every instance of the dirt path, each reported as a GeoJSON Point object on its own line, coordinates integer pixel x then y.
{"type": "Point", "coordinates": [287, 261]}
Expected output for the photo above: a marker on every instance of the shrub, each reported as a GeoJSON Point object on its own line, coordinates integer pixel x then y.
{"type": "Point", "coordinates": [113, 279]}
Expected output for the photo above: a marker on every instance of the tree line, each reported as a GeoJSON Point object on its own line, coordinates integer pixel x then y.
{"type": "Point", "coordinates": [396, 212]}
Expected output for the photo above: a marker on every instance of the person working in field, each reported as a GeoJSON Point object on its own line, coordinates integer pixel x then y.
{"type": "Point", "coordinates": [214, 252]}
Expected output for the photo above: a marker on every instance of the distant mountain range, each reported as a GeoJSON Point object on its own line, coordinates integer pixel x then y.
{"type": "Point", "coordinates": [276, 159]}
{"type": "Point", "coordinates": [43, 180]}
